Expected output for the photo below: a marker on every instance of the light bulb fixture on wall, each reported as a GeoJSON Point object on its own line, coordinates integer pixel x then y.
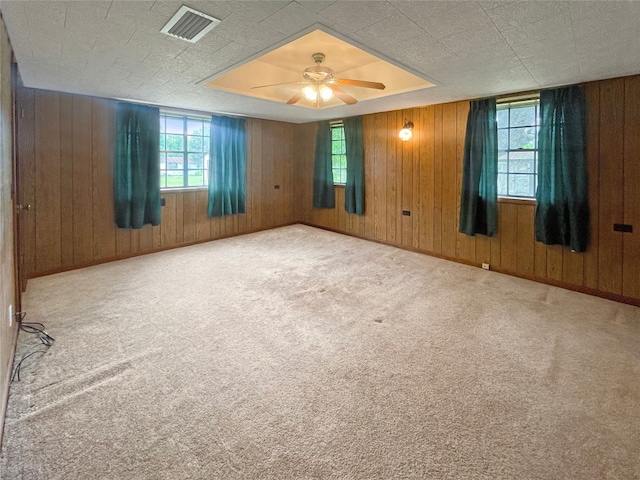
{"type": "Point", "coordinates": [406, 133]}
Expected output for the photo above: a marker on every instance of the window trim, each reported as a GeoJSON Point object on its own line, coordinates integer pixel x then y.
{"type": "Point", "coordinates": [533, 98]}
{"type": "Point", "coordinates": [185, 115]}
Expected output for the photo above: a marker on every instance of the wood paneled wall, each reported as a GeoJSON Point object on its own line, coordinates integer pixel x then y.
{"type": "Point", "coordinates": [8, 293]}
{"type": "Point", "coordinates": [65, 156]}
{"type": "Point", "coordinates": [424, 176]}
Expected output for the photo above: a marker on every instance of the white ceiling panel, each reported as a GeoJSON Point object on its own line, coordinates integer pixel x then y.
{"type": "Point", "coordinates": [468, 48]}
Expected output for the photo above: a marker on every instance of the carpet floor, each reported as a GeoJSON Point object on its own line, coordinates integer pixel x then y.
{"type": "Point", "coordinates": [297, 353]}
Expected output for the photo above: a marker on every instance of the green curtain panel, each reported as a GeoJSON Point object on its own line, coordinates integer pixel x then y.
{"type": "Point", "coordinates": [323, 190]}
{"type": "Point", "coordinates": [227, 167]}
{"type": "Point", "coordinates": [354, 188]}
{"type": "Point", "coordinates": [479, 195]}
{"type": "Point", "coordinates": [137, 169]}
{"type": "Point", "coordinates": [562, 211]}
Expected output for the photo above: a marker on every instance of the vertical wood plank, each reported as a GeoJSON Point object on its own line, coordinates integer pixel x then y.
{"type": "Point", "coordinates": [189, 217]}
{"type": "Point", "coordinates": [168, 225]}
{"type": "Point", "coordinates": [449, 185]}
{"type": "Point", "coordinates": [554, 262]}
{"type": "Point", "coordinates": [437, 178]}
{"type": "Point", "coordinates": [380, 191]}
{"type": "Point", "coordinates": [103, 140]}
{"type": "Point", "coordinates": [416, 209]}
{"type": "Point", "coordinates": [611, 195]}
{"type": "Point", "coordinates": [426, 156]}
{"type": "Point", "coordinates": [406, 184]}
{"type": "Point", "coordinates": [180, 217]}
{"type": "Point", "coordinates": [67, 141]}
{"type": "Point", "coordinates": [203, 225]}
{"type": "Point", "coordinates": [392, 173]}
{"type": "Point", "coordinates": [631, 176]}
{"type": "Point", "coordinates": [509, 236]}
{"type": "Point", "coordinates": [82, 180]}
{"type": "Point", "coordinates": [47, 185]}
{"type": "Point", "coordinates": [525, 239]}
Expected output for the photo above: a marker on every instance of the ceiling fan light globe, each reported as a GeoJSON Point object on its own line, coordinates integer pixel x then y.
{"type": "Point", "coordinates": [326, 93]}
{"type": "Point", "coordinates": [310, 93]}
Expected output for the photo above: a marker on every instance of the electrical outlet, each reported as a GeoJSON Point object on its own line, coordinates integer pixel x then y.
{"type": "Point", "coordinates": [485, 266]}
{"type": "Point", "coordinates": [10, 315]}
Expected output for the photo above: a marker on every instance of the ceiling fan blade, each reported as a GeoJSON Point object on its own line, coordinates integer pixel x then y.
{"type": "Point", "coordinates": [295, 98]}
{"type": "Point", "coordinates": [342, 95]}
{"type": "Point", "coordinates": [359, 83]}
{"type": "Point", "coordinates": [277, 84]}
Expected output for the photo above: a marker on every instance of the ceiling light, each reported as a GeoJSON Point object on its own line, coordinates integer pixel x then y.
{"type": "Point", "coordinates": [406, 133]}
{"type": "Point", "coordinates": [310, 93]}
{"type": "Point", "coordinates": [326, 93]}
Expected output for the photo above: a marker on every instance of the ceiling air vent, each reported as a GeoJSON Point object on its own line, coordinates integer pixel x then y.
{"type": "Point", "coordinates": [189, 24]}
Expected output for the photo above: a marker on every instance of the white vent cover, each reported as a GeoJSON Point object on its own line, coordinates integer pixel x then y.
{"type": "Point", "coordinates": [189, 24]}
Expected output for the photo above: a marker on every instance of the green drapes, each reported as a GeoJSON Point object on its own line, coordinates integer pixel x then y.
{"type": "Point", "coordinates": [354, 188]}
{"type": "Point", "coordinates": [227, 167]}
{"type": "Point", "coordinates": [479, 195]}
{"type": "Point", "coordinates": [323, 190]}
{"type": "Point", "coordinates": [562, 212]}
{"type": "Point", "coordinates": [137, 169]}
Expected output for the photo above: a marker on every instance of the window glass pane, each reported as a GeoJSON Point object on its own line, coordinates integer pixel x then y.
{"type": "Point", "coordinates": [205, 144]}
{"type": "Point", "coordinates": [523, 116]}
{"type": "Point", "coordinates": [522, 162]}
{"type": "Point", "coordinates": [194, 127]}
{"type": "Point", "coordinates": [343, 176]}
{"type": "Point", "coordinates": [162, 142]}
{"type": "Point", "coordinates": [336, 176]}
{"type": "Point", "coordinates": [175, 161]}
{"type": "Point", "coordinates": [206, 124]}
{"type": "Point", "coordinates": [194, 144]}
{"type": "Point", "coordinates": [175, 125]}
{"type": "Point", "coordinates": [503, 117]}
{"type": "Point", "coordinates": [502, 184]}
{"type": "Point", "coordinates": [523, 137]}
{"type": "Point", "coordinates": [163, 161]}
{"type": "Point", "coordinates": [175, 178]}
{"type": "Point", "coordinates": [163, 179]}
{"type": "Point", "coordinates": [162, 123]}
{"type": "Point", "coordinates": [521, 185]}
{"type": "Point", "coordinates": [503, 139]}
{"type": "Point", "coordinates": [195, 178]}
{"type": "Point", "coordinates": [195, 161]}
{"type": "Point", "coordinates": [175, 143]}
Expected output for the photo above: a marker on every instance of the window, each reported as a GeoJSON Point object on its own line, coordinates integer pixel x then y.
{"type": "Point", "coordinates": [518, 126]}
{"type": "Point", "coordinates": [338, 154]}
{"type": "Point", "coordinates": [184, 151]}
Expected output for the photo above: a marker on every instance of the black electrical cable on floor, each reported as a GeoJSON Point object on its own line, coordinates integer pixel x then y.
{"type": "Point", "coordinates": [34, 328]}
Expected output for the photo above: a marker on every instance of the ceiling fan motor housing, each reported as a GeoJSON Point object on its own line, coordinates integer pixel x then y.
{"type": "Point", "coordinates": [318, 74]}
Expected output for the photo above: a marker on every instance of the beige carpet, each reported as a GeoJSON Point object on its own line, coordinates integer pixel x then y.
{"type": "Point", "coordinates": [298, 353]}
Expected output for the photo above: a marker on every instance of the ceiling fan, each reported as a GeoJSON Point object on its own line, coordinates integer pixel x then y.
{"type": "Point", "coordinates": [321, 85]}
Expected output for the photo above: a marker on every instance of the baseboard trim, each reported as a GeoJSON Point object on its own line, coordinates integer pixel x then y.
{"type": "Point", "coordinates": [547, 281]}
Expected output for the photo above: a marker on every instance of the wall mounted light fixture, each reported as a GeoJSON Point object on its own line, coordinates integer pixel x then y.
{"type": "Point", "coordinates": [406, 132]}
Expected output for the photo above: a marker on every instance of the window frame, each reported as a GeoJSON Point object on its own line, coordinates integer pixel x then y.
{"type": "Point", "coordinates": [185, 116]}
{"type": "Point", "coordinates": [338, 124]}
{"type": "Point", "coordinates": [509, 104]}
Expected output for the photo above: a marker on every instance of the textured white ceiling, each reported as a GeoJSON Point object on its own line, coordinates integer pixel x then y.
{"type": "Point", "coordinates": [468, 48]}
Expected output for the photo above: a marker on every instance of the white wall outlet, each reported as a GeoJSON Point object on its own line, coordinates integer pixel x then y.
{"type": "Point", "coordinates": [10, 315]}
{"type": "Point", "coordinates": [485, 266]}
